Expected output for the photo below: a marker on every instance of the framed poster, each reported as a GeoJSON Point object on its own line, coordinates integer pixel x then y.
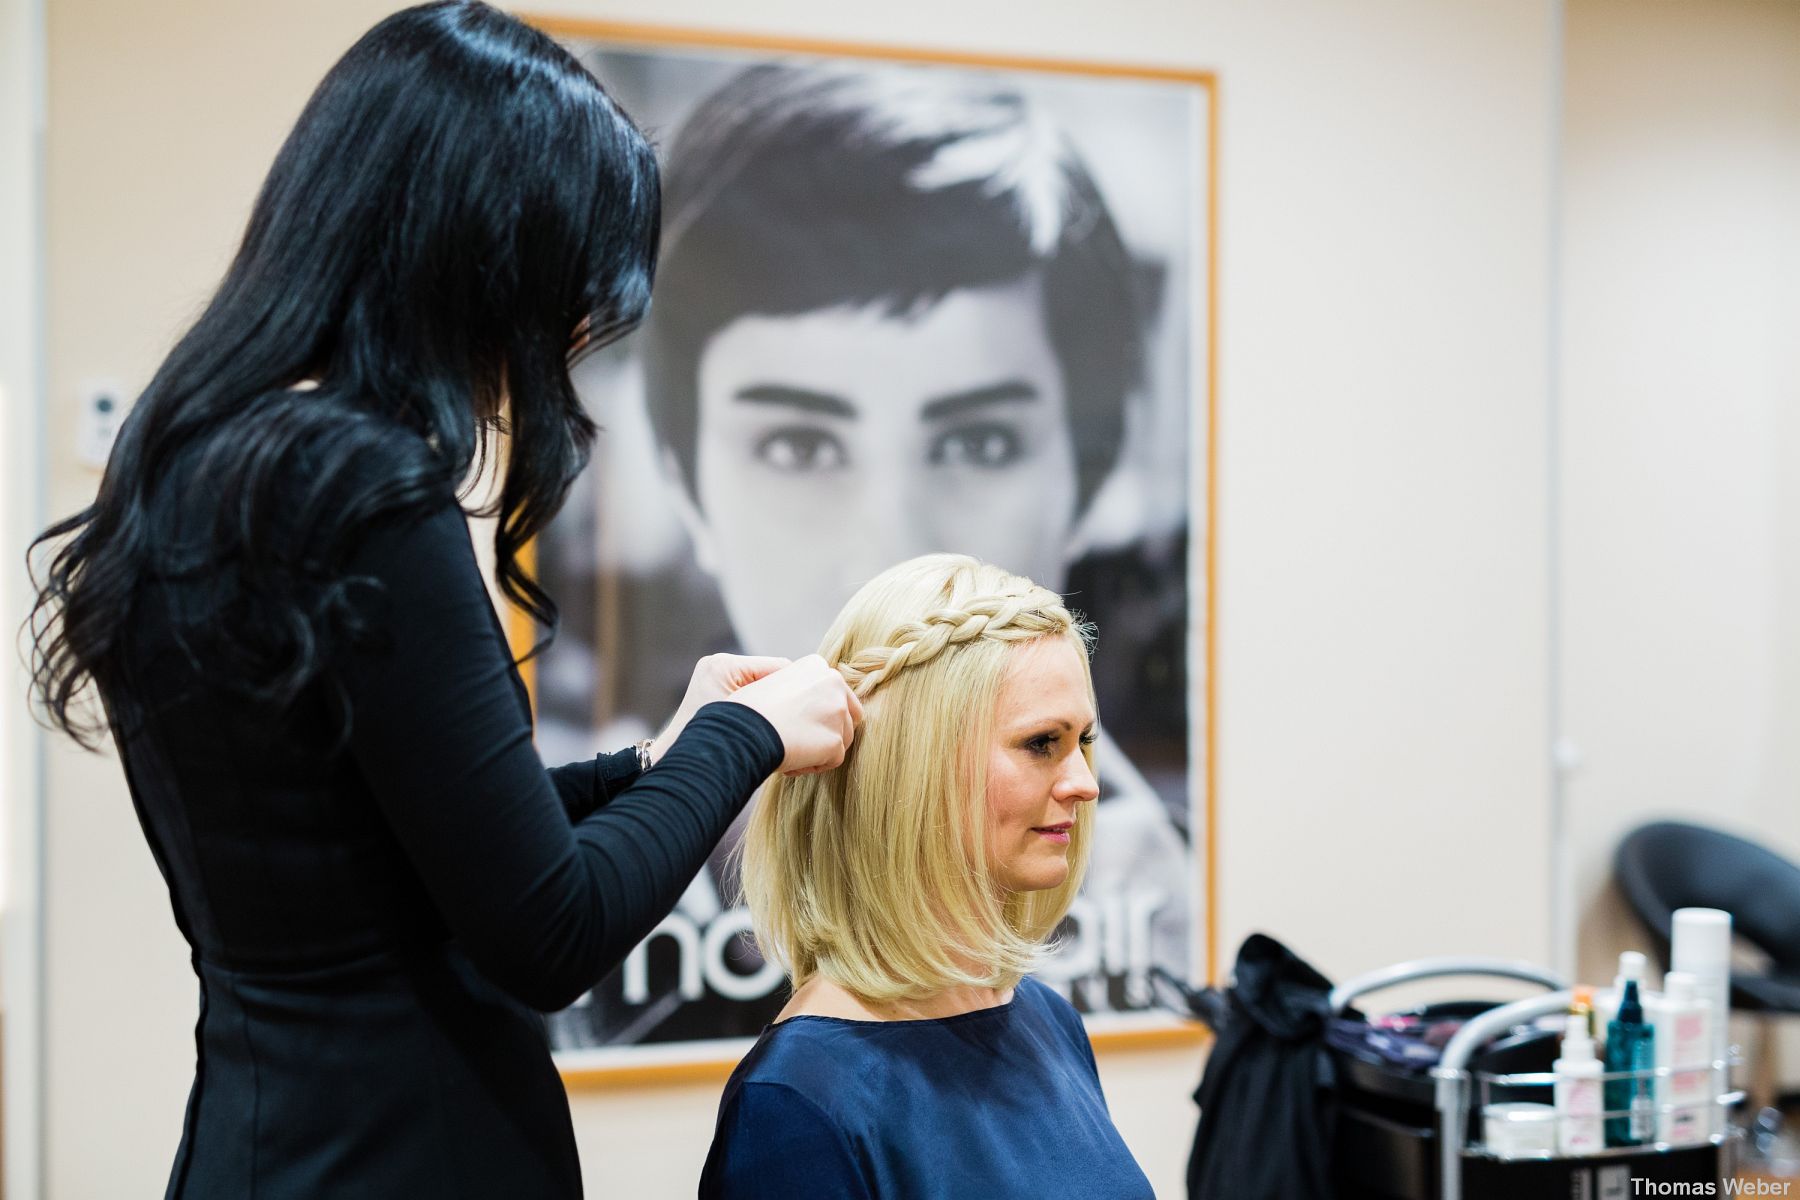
{"type": "Point", "coordinates": [905, 303]}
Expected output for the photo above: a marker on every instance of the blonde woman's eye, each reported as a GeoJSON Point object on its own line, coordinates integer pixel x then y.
{"type": "Point", "coordinates": [1089, 738]}
{"type": "Point", "coordinates": [797, 450]}
{"type": "Point", "coordinates": [1041, 744]}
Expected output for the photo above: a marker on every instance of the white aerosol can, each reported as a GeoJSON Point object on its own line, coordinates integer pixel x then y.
{"type": "Point", "coordinates": [1700, 945]}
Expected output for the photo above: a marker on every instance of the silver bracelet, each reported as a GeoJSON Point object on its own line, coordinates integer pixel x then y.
{"type": "Point", "coordinates": [643, 751]}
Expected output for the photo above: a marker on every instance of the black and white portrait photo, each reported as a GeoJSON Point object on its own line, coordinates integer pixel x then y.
{"type": "Point", "coordinates": [900, 307]}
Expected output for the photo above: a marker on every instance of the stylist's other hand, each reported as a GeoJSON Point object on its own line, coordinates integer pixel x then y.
{"type": "Point", "coordinates": [715, 677]}
{"type": "Point", "coordinates": [813, 710]}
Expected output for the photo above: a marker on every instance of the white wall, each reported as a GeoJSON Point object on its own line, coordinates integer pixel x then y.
{"type": "Point", "coordinates": [1385, 204]}
{"type": "Point", "coordinates": [21, 364]}
{"type": "Point", "coordinates": [1681, 386]}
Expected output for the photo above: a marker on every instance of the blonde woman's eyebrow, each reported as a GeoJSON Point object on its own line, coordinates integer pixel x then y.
{"type": "Point", "coordinates": [1054, 724]}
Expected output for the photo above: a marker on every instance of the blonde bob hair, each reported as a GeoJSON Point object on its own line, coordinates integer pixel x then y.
{"type": "Point", "coordinates": [875, 874]}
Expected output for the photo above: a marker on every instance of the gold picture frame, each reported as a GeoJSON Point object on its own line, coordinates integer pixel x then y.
{"type": "Point", "coordinates": [1203, 784]}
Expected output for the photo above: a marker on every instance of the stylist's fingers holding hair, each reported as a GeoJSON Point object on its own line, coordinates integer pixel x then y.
{"type": "Point", "coordinates": [729, 672]}
{"type": "Point", "coordinates": [715, 677]}
{"type": "Point", "coordinates": [812, 709]}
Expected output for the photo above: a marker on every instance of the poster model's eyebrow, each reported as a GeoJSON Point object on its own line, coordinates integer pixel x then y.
{"type": "Point", "coordinates": [823, 403]}
{"type": "Point", "coordinates": [1013, 391]}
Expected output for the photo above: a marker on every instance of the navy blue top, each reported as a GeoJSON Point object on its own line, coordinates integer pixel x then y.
{"type": "Point", "coordinates": [998, 1102]}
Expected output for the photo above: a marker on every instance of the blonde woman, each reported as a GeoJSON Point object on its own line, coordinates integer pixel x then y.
{"type": "Point", "coordinates": [908, 893]}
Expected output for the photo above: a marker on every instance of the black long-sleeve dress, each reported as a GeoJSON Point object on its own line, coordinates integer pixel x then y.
{"type": "Point", "coordinates": [373, 929]}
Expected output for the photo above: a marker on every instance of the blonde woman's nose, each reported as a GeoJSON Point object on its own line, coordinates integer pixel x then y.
{"type": "Point", "coordinates": [1077, 782]}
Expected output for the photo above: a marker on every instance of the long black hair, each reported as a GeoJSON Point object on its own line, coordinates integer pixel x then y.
{"type": "Point", "coordinates": [458, 210]}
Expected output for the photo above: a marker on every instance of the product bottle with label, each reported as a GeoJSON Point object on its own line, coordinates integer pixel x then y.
{"type": "Point", "coordinates": [1684, 1047]}
{"type": "Point", "coordinates": [1578, 1092]}
{"type": "Point", "coordinates": [1700, 945]}
{"type": "Point", "coordinates": [1630, 1059]}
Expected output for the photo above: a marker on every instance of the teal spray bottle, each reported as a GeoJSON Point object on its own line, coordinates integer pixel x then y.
{"type": "Point", "coordinates": [1630, 1046]}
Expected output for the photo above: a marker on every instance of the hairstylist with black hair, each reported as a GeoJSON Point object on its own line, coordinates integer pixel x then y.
{"type": "Point", "coordinates": [276, 599]}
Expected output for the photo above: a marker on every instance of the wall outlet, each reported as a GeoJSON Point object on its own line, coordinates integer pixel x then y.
{"type": "Point", "coordinates": [103, 404]}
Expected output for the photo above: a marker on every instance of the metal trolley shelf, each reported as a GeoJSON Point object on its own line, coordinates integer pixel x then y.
{"type": "Point", "coordinates": [1469, 1170]}
{"type": "Point", "coordinates": [1472, 1171]}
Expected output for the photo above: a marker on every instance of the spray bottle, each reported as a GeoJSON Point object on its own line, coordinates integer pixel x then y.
{"type": "Point", "coordinates": [1630, 1047]}
{"type": "Point", "coordinates": [1578, 1093]}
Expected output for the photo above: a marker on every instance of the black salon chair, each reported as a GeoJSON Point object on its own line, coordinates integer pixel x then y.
{"type": "Point", "coordinates": [1669, 865]}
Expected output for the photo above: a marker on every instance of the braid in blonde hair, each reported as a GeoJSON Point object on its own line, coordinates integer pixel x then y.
{"type": "Point", "coordinates": [1014, 617]}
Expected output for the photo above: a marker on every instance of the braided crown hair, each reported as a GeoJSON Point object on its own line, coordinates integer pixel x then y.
{"type": "Point", "coordinates": [1016, 616]}
{"type": "Point", "coordinates": [875, 874]}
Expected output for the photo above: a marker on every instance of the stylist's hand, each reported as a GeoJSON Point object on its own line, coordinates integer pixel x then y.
{"type": "Point", "coordinates": [715, 677]}
{"type": "Point", "coordinates": [813, 710]}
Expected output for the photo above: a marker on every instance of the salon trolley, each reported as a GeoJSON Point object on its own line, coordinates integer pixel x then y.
{"type": "Point", "coordinates": [1417, 1133]}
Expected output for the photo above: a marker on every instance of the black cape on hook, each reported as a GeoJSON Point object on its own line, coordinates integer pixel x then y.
{"type": "Point", "coordinates": [1267, 1099]}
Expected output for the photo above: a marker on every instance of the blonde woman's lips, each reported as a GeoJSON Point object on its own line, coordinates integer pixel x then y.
{"type": "Point", "coordinates": [1056, 833]}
